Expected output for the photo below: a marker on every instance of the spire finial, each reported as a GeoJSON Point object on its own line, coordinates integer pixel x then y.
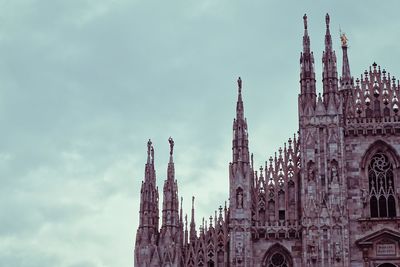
{"type": "Point", "coordinates": [149, 148]}
{"type": "Point", "coordinates": [239, 81]}
{"type": "Point", "coordinates": [171, 145]}
{"type": "Point", "coordinates": [305, 21]}
{"type": "Point", "coordinates": [327, 20]}
{"type": "Point", "coordinates": [192, 224]}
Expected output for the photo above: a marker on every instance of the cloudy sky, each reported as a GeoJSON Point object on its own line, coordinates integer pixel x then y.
{"type": "Point", "coordinates": [85, 83]}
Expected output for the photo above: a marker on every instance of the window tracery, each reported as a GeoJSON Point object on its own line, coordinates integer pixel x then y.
{"type": "Point", "coordinates": [381, 187]}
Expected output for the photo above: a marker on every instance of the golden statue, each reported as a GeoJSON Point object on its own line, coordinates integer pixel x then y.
{"type": "Point", "coordinates": [344, 39]}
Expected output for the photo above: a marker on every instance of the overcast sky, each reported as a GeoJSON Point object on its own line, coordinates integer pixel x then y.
{"type": "Point", "coordinates": [85, 84]}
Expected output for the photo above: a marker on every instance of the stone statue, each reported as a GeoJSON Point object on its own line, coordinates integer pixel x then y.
{"type": "Point", "coordinates": [311, 174]}
{"type": "Point", "coordinates": [334, 175]}
{"type": "Point", "coordinates": [364, 196]}
{"type": "Point", "coordinates": [305, 21]}
{"type": "Point", "coordinates": [171, 145]}
{"type": "Point", "coordinates": [327, 20]}
{"type": "Point", "coordinates": [239, 81]}
{"type": "Point", "coordinates": [240, 199]}
{"type": "Point", "coordinates": [149, 146]}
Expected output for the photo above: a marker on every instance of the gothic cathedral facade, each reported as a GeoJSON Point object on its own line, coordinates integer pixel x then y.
{"type": "Point", "coordinates": [329, 197]}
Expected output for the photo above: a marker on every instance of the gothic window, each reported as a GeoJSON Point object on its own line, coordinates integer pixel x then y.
{"type": "Point", "coordinates": [381, 187]}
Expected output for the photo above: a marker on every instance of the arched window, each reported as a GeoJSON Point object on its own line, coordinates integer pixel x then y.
{"type": "Point", "coordinates": [381, 187]}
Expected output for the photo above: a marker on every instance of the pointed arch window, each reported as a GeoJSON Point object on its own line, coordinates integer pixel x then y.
{"type": "Point", "coordinates": [381, 187]}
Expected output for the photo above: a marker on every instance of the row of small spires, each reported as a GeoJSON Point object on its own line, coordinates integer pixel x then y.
{"type": "Point", "coordinates": [218, 219]}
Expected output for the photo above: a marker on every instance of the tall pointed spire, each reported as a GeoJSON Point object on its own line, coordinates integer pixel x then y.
{"type": "Point", "coordinates": [240, 136]}
{"type": "Point", "coordinates": [329, 75]}
{"type": "Point", "coordinates": [346, 81]}
{"type": "Point", "coordinates": [148, 214]}
{"type": "Point", "coordinates": [307, 96]}
{"type": "Point", "coordinates": [170, 212]}
{"type": "Point", "coordinates": [192, 234]}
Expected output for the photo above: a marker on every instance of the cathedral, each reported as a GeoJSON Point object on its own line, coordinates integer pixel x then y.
{"type": "Point", "coordinates": [329, 197]}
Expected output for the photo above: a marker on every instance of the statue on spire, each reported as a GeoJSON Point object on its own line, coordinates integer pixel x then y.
{"type": "Point", "coordinates": [327, 20]}
{"type": "Point", "coordinates": [305, 21]}
{"type": "Point", "coordinates": [149, 143]}
{"type": "Point", "coordinates": [171, 145]}
{"type": "Point", "coordinates": [343, 39]}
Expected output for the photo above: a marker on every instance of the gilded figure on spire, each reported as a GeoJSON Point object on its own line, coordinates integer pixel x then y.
{"type": "Point", "coordinates": [343, 39]}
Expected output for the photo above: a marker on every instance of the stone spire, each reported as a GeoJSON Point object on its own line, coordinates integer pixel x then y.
{"type": "Point", "coordinates": [240, 189]}
{"type": "Point", "coordinates": [328, 38]}
{"type": "Point", "coordinates": [192, 233]}
{"type": "Point", "coordinates": [346, 81]}
{"type": "Point", "coordinates": [329, 75]}
{"type": "Point", "coordinates": [148, 214]}
{"type": "Point", "coordinates": [240, 136]}
{"type": "Point", "coordinates": [307, 96]}
{"type": "Point", "coordinates": [171, 168]}
{"type": "Point", "coordinates": [170, 212]}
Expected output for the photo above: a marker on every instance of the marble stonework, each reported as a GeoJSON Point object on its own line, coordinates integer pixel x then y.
{"type": "Point", "coordinates": [329, 197]}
